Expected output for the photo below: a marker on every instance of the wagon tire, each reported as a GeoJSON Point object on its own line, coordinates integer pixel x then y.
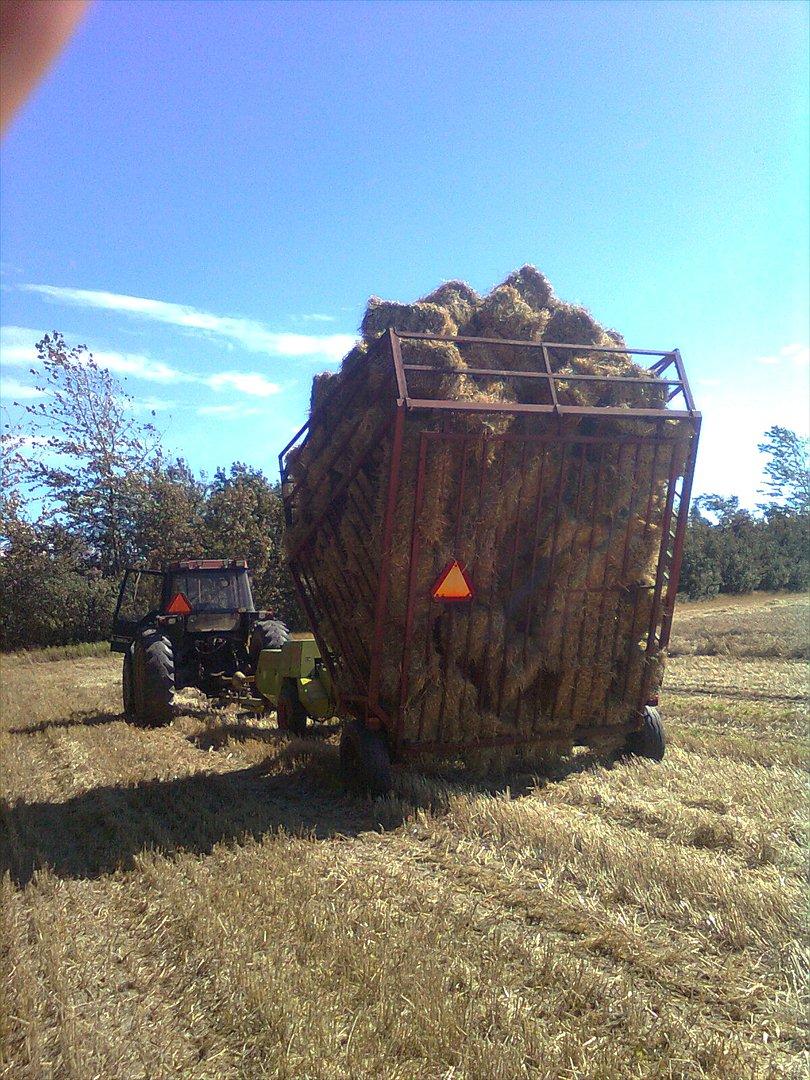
{"type": "Point", "coordinates": [290, 713]}
{"type": "Point", "coordinates": [365, 760]}
{"type": "Point", "coordinates": [649, 741]}
{"type": "Point", "coordinates": [152, 694]}
{"type": "Point", "coordinates": [266, 634]}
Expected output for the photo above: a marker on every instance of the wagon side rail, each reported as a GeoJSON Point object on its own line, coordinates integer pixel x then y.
{"type": "Point", "coordinates": [678, 404]}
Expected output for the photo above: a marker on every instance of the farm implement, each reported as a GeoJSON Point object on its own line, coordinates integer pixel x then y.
{"type": "Point", "coordinates": [480, 574]}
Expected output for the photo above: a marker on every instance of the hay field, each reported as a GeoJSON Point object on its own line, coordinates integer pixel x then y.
{"type": "Point", "coordinates": [202, 900]}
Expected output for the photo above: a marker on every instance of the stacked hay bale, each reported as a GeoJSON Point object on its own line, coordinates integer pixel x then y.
{"type": "Point", "coordinates": [561, 537]}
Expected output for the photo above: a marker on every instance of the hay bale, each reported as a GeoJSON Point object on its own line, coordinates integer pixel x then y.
{"type": "Point", "coordinates": [320, 389]}
{"type": "Point", "coordinates": [458, 300]}
{"type": "Point", "coordinates": [534, 288]}
{"type": "Point", "coordinates": [505, 314]}
{"type": "Point", "coordinates": [419, 318]}
{"type": "Point", "coordinates": [571, 324]}
{"type": "Point", "coordinates": [562, 542]}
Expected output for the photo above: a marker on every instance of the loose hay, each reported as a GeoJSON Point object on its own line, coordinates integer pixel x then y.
{"type": "Point", "coordinates": [561, 537]}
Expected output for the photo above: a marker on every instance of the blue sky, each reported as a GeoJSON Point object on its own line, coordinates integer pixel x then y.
{"type": "Point", "coordinates": [207, 193]}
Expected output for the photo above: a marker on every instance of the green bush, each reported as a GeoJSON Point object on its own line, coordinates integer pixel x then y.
{"type": "Point", "coordinates": [741, 553]}
{"type": "Point", "coordinates": [52, 604]}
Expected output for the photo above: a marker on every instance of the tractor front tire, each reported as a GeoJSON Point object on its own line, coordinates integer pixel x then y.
{"type": "Point", "coordinates": [267, 634]}
{"type": "Point", "coordinates": [365, 760]}
{"type": "Point", "coordinates": [649, 741]}
{"type": "Point", "coordinates": [153, 679]}
{"type": "Point", "coordinates": [290, 713]}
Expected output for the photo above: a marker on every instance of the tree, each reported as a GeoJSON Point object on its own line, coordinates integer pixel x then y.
{"type": "Point", "coordinates": [94, 452]}
{"type": "Point", "coordinates": [787, 471]}
{"type": "Point", "coordinates": [244, 518]}
{"type": "Point", "coordinates": [739, 552]}
{"type": "Point", "coordinates": [700, 570]}
{"type": "Point", "coordinates": [49, 594]}
{"type": "Point", "coordinates": [736, 547]}
{"type": "Point", "coordinates": [168, 514]}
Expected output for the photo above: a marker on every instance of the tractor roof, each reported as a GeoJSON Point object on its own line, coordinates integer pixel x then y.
{"type": "Point", "coordinates": [208, 564]}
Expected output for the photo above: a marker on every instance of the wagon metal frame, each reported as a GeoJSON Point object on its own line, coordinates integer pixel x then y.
{"type": "Point", "coordinates": [356, 675]}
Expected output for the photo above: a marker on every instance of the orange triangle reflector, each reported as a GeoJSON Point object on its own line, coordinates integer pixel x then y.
{"type": "Point", "coordinates": [453, 583]}
{"type": "Point", "coordinates": [179, 605]}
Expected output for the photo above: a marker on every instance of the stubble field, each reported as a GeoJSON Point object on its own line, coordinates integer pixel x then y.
{"type": "Point", "coordinates": [203, 900]}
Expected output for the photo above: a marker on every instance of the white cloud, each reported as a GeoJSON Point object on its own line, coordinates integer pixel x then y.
{"type": "Point", "coordinates": [140, 367]}
{"type": "Point", "coordinates": [799, 354]}
{"type": "Point", "coordinates": [794, 353]}
{"type": "Point", "coordinates": [245, 382]}
{"type": "Point", "coordinates": [11, 388]}
{"type": "Point", "coordinates": [17, 347]}
{"type": "Point", "coordinates": [248, 333]}
{"type": "Point", "coordinates": [318, 318]}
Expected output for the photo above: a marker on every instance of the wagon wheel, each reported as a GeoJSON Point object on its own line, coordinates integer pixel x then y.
{"type": "Point", "coordinates": [290, 713]}
{"type": "Point", "coordinates": [365, 760]}
{"type": "Point", "coordinates": [649, 741]}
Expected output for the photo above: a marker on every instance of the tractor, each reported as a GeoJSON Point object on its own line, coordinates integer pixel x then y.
{"type": "Point", "coordinates": [194, 624]}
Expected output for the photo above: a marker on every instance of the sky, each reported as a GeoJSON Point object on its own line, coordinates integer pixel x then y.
{"type": "Point", "coordinates": [207, 193]}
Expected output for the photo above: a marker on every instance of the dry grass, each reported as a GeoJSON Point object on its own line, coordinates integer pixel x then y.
{"type": "Point", "coordinates": [773, 625]}
{"type": "Point", "coordinates": [203, 901]}
{"type": "Point", "coordinates": [58, 652]}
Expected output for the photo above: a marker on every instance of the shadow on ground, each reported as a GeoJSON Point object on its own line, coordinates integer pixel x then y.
{"type": "Point", "coordinates": [297, 790]}
{"type": "Point", "coordinates": [104, 829]}
{"type": "Point", "coordinates": [76, 719]}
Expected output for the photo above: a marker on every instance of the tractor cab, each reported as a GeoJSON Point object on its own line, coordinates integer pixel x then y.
{"type": "Point", "coordinates": [208, 595]}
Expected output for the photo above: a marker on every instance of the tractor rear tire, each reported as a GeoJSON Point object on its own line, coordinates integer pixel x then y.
{"type": "Point", "coordinates": [267, 634]}
{"type": "Point", "coordinates": [127, 688]}
{"type": "Point", "coordinates": [649, 741]}
{"type": "Point", "coordinates": [365, 760]}
{"type": "Point", "coordinates": [153, 679]}
{"type": "Point", "coordinates": [290, 713]}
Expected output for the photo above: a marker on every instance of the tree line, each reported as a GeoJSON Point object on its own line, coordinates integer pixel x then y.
{"type": "Point", "coordinates": [731, 550]}
{"type": "Point", "coordinates": [89, 490]}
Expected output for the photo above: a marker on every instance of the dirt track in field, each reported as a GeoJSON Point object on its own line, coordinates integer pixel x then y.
{"type": "Point", "coordinates": [203, 900]}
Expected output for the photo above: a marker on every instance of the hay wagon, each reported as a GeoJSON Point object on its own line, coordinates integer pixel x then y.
{"type": "Point", "coordinates": [490, 575]}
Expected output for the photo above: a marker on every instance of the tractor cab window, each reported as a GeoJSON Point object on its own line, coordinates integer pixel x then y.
{"type": "Point", "coordinates": [212, 591]}
{"type": "Point", "coordinates": [140, 595]}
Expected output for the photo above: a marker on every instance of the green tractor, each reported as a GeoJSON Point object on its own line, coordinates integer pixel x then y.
{"type": "Point", "coordinates": [194, 624]}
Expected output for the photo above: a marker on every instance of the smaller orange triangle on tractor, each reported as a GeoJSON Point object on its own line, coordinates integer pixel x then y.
{"type": "Point", "coordinates": [179, 605]}
{"type": "Point", "coordinates": [453, 583]}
